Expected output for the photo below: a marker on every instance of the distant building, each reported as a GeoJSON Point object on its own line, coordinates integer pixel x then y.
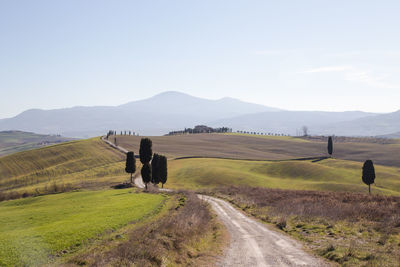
{"type": "Point", "coordinates": [201, 129]}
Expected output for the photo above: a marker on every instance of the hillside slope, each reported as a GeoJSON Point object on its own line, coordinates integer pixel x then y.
{"type": "Point", "coordinates": [326, 175]}
{"type": "Point", "coordinates": [15, 141]}
{"type": "Point", "coordinates": [81, 164]}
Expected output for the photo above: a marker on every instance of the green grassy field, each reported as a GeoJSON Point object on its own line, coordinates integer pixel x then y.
{"type": "Point", "coordinates": [80, 164]}
{"type": "Point", "coordinates": [326, 175]}
{"type": "Point", "coordinates": [34, 230]}
{"type": "Point", "coordinates": [16, 141]}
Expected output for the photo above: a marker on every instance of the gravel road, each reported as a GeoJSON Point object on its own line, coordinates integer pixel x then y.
{"type": "Point", "coordinates": [253, 244]}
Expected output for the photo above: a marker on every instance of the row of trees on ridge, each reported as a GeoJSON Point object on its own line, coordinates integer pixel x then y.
{"type": "Point", "coordinates": [112, 132]}
{"type": "Point", "coordinates": [201, 129]}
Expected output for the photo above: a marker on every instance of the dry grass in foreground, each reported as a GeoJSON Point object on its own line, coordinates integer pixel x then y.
{"type": "Point", "coordinates": [188, 235]}
{"type": "Point", "coordinates": [347, 228]}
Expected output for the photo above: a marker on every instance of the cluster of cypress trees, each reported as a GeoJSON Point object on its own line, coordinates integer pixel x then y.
{"type": "Point", "coordinates": [145, 154]}
{"type": "Point", "coordinates": [159, 169]}
{"type": "Point", "coordinates": [155, 172]}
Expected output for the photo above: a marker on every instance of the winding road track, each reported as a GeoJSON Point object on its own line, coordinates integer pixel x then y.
{"type": "Point", "coordinates": [252, 243]}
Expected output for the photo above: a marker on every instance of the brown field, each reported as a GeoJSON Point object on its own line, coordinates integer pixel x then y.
{"type": "Point", "coordinates": [238, 146]}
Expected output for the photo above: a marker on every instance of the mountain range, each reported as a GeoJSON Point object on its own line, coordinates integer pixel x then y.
{"type": "Point", "coordinates": [170, 111]}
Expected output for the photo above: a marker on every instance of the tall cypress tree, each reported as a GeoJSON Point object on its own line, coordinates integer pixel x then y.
{"type": "Point", "coordinates": [155, 169]}
{"type": "Point", "coordinates": [145, 154]}
{"type": "Point", "coordinates": [163, 170]}
{"type": "Point", "coordinates": [146, 150]}
{"type": "Point", "coordinates": [146, 173]}
{"type": "Point", "coordinates": [368, 174]}
{"type": "Point", "coordinates": [330, 145]}
{"type": "Point", "coordinates": [130, 166]}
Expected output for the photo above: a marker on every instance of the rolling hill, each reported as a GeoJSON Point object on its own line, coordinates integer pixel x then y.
{"type": "Point", "coordinates": [78, 164]}
{"type": "Point", "coordinates": [327, 175]}
{"type": "Point", "coordinates": [93, 164]}
{"type": "Point", "coordinates": [15, 141]}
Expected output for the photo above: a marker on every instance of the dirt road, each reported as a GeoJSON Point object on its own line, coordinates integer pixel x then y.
{"type": "Point", "coordinates": [139, 182]}
{"type": "Point", "coordinates": [253, 244]}
{"type": "Point", "coordinates": [123, 150]}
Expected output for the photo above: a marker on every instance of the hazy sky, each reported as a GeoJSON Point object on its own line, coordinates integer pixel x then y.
{"type": "Point", "coordinates": [298, 55]}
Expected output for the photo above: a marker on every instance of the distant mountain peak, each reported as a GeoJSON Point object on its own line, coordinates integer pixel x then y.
{"type": "Point", "coordinates": [171, 94]}
{"type": "Point", "coordinates": [227, 98]}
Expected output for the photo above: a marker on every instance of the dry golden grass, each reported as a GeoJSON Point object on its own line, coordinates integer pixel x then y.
{"type": "Point", "coordinates": [348, 228]}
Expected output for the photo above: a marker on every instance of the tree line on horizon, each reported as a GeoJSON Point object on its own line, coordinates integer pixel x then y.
{"type": "Point", "coordinates": [125, 132]}
{"type": "Point", "coordinates": [201, 129]}
{"type": "Point", "coordinates": [261, 133]}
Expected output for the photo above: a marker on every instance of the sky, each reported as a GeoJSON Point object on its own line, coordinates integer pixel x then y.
{"type": "Point", "coordinates": [296, 55]}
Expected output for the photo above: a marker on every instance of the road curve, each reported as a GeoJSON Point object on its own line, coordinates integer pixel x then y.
{"type": "Point", "coordinates": [253, 244]}
{"type": "Point", "coordinates": [139, 182]}
{"type": "Point", "coordinates": [120, 148]}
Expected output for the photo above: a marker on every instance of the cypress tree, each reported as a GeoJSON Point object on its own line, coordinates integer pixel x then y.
{"type": "Point", "coordinates": [368, 174]}
{"type": "Point", "coordinates": [330, 145]}
{"type": "Point", "coordinates": [146, 174]}
{"type": "Point", "coordinates": [146, 151]}
{"type": "Point", "coordinates": [163, 170]}
{"type": "Point", "coordinates": [155, 169]}
{"type": "Point", "coordinates": [130, 166]}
